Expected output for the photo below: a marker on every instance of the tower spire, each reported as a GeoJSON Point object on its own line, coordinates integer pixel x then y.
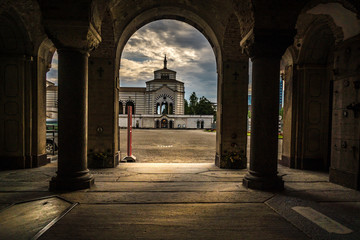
{"type": "Point", "coordinates": [165, 62]}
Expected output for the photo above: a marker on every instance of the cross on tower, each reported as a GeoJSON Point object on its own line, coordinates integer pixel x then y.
{"type": "Point", "coordinates": [100, 71]}
{"type": "Point", "coordinates": [236, 75]}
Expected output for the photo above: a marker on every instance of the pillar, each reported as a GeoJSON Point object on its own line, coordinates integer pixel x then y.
{"type": "Point", "coordinates": [265, 47]}
{"type": "Point", "coordinates": [264, 125]}
{"type": "Point", "coordinates": [232, 111]}
{"type": "Point", "coordinates": [103, 126]}
{"type": "Point", "coordinates": [72, 171]}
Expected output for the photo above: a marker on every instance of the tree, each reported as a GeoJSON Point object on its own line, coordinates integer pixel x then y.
{"type": "Point", "coordinates": [186, 107]}
{"type": "Point", "coordinates": [198, 106]}
{"type": "Point", "coordinates": [204, 107]}
{"type": "Point", "coordinates": [193, 103]}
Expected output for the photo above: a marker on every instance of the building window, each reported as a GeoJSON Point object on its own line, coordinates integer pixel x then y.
{"type": "Point", "coordinates": [164, 108]}
{"type": "Point", "coordinates": [165, 76]}
{"type": "Point", "coordinates": [158, 110]}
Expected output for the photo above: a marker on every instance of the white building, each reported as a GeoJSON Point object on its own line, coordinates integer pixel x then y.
{"type": "Point", "coordinates": [51, 100]}
{"type": "Point", "coordinates": [160, 104]}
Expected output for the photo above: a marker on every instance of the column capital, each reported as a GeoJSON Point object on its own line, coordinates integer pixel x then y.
{"type": "Point", "coordinates": [73, 35]}
{"type": "Point", "coordinates": [271, 43]}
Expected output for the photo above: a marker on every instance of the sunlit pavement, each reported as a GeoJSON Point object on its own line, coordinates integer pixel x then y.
{"type": "Point", "coordinates": [174, 146]}
{"type": "Point", "coordinates": [180, 201]}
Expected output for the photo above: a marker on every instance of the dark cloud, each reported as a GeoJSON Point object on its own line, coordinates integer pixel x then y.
{"type": "Point", "coordinates": [135, 56]}
{"type": "Point", "coordinates": [208, 66]}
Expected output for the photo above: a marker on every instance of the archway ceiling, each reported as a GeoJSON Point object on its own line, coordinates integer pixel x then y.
{"type": "Point", "coordinates": [125, 12]}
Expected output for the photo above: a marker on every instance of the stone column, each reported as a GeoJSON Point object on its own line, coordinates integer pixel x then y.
{"type": "Point", "coordinates": [72, 171]}
{"type": "Point", "coordinates": [264, 125]}
{"type": "Point", "coordinates": [265, 47]}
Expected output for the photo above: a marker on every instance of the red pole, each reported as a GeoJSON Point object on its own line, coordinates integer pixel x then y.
{"type": "Point", "coordinates": [129, 132]}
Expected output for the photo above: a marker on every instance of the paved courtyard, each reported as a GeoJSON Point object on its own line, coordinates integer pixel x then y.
{"type": "Point", "coordinates": [174, 146]}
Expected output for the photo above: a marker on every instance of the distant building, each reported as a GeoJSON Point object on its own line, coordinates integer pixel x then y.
{"type": "Point", "coordinates": [160, 104]}
{"type": "Point", "coordinates": [51, 100]}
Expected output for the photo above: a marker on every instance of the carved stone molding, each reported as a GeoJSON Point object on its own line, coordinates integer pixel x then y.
{"type": "Point", "coordinates": [73, 34]}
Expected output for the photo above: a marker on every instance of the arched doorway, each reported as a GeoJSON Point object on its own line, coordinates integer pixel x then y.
{"type": "Point", "coordinates": [130, 103]}
{"type": "Point", "coordinates": [164, 123]}
{"type": "Point", "coordinates": [17, 83]}
{"type": "Point", "coordinates": [121, 110]}
{"type": "Point", "coordinates": [308, 97]}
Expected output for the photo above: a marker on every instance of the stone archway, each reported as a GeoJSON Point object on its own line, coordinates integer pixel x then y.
{"type": "Point", "coordinates": [16, 96]}
{"type": "Point", "coordinates": [232, 68]}
{"type": "Point", "coordinates": [308, 93]}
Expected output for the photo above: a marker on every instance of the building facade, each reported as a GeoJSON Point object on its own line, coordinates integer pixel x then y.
{"type": "Point", "coordinates": [51, 100]}
{"type": "Point", "coordinates": [160, 104]}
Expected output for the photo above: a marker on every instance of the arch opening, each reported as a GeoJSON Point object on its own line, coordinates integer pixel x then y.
{"type": "Point", "coordinates": [310, 82]}
{"type": "Point", "coordinates": [164, 95]}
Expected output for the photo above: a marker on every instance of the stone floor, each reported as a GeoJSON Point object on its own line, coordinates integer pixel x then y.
{"type": "Point", "coordinates": [183, 201]}
{"type": "Point", "coordinates": [147, 200]}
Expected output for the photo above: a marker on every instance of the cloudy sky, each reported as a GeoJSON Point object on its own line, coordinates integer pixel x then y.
{"type": "Point", "coordinates": [52, 75]}
{"type": "Point", "coordinates": [188, 53]}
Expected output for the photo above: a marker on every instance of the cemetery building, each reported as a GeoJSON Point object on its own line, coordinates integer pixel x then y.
{"type": "Point", "coordinates": [160, 104]}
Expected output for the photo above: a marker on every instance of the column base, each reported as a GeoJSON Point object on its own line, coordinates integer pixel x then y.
{"type": "Point", "coordinates": [40, 160]}
{"type": "Point", "coordinates": [131, 158]}
{"type": "Point", "coordinates": [226, 163]}
{"type": "Point", "coordinates": [71, 183]}
{"type": "Point", "coordinates": [264, 182]}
